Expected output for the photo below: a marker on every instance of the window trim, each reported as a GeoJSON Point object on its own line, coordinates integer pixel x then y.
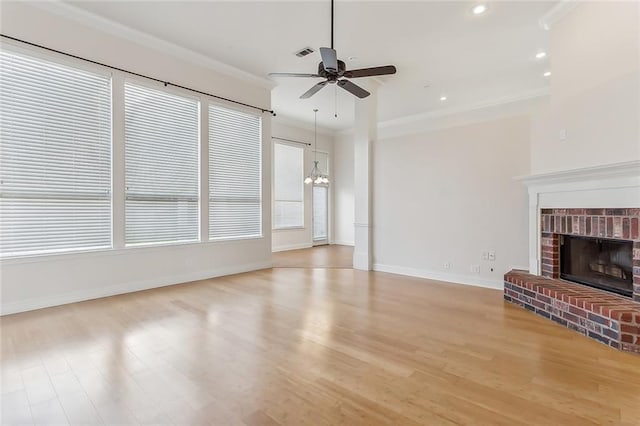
{"type": "Point", "coordinates": [17, 48]}
{"type": "Point", "coordinates": [208, 102]}
{"type": "Point", "coordinates": [117, 148]}
{"type": "Point", "coordinates": [175, 91]}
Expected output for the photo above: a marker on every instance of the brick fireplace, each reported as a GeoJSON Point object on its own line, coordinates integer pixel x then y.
{"type": "Point", "coordinates": [584, 258]}
{"type": "Point", "coordinates": [607, 317]}
{"type": "Point", "coordinates": [610, 224]}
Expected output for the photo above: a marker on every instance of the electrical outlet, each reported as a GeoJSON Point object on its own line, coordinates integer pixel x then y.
{"type": "Point", "coordinates": [475, 269]}
{"type": "Point", "coordinates": [563, 135]}
{"type": "Point", "coordinates": [447, 265]}
{"type": "Point", "coordinates": [485, 255]}
{"type": "Point", "coordinates": [492, 255]}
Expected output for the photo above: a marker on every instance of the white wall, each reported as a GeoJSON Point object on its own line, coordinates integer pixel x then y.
{"type": "Point", "coordinates": [595, 89]}
{"type": "Point", "coordinates": [343, 189]}
{"type": "Point", "coordinates": [290, 239]}
{"type": "Point", "coordinates": [49, 280]}
{"type": "Point", "coordinates": [449, 195]}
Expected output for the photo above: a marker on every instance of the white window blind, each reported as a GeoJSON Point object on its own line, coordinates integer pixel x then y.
{"type": "Point", "coordinates": [235, 174]}
{"type": "Point", "coordinates": [162, 166]}
{"type": "Point", "coordinates": [320, 209]}
{"type": "Point", "coordinates": [288, 163]}
{"type": "Point", "coordinates": [55, 157]}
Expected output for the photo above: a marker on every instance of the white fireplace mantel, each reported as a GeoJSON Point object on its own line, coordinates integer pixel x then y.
{"type": "Point", "coordinates": [607, 186]}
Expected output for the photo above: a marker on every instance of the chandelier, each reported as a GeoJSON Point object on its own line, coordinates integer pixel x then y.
{"type": "Point", "coordinates": [316, 176]}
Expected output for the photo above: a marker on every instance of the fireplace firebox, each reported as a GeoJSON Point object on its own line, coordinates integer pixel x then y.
{"type": "Point", "coordinates": [598, 262]}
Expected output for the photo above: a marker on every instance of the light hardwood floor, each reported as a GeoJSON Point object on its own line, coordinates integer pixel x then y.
{"type": "Point", "coordinates": [301, 346]}
{"type": "Point", "coordinates": [334, 256]}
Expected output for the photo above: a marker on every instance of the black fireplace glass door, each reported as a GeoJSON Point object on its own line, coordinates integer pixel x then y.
{"type": "Point", "coordinates": [597, 262]}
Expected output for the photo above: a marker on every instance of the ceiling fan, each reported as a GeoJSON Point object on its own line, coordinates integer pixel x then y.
{"type": "Point", "coordinates": [334, 71]}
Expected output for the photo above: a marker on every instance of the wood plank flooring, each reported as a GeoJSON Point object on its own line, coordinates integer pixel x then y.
{"type": "Point", "coordinates": [334, 256]}
{"type": "Point", "coordinates": [304, 346]}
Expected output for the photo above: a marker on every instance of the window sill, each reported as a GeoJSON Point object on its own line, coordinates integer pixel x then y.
{"type": "Point", "coordinates": [289, 228]}
{"type": "Point", "coordinates": [123, 251]}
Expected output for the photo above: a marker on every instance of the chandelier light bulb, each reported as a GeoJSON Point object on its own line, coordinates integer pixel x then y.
{"type": "Point", "coordinates": [308, 180]}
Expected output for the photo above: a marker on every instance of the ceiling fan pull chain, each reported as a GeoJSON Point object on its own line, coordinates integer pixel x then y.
{"type": "Point", "coordinates": [335, 97]}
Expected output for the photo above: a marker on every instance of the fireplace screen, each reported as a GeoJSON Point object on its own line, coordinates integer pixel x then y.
{"type": "Point", "coordinates": [596, 262]}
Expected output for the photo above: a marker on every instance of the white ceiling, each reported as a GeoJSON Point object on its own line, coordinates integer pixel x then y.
{"type": "Point", "coordinates": [470, 59]}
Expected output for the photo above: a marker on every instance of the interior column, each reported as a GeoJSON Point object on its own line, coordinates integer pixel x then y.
{"type": "Point", "coordinates": [365, 133]}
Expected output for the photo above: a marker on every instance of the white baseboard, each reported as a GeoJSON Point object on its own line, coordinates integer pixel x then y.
{"type": "Point", "coordinates": [343, 243]}
{"type": "Point", "coordinates": [440, 276]}
{"type": "Point", "coordinates": [95, 293]}
{"type": "Point", "coordinates": [292, 247]}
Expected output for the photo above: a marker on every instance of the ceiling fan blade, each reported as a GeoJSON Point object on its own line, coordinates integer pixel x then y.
{"type": "Point", "coordinates": [353, 88]}
{"type": "Point", "coordinates": [291, 74]}
{"type": "Point", "coordinates": [329, 59]}
{"type": "Point", "coordinates": [370, 72]}
{"type": "Point", "coordinates": [309, 93]}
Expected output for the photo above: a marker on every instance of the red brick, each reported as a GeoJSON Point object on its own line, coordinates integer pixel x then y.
{"type": "Point", "coordinates": [602, 228]}
{"type": "Point", "coordinates": [634, 228]}
{"type": "Point", "coordinates": [626, 231]}
{"type": "Point", "coordinates": [609, 226]}
{"type": "Point", "coordinates": [575, 225]}
{"type": "Point", "coordinates": [627, 338]}
{"type": "Point", "coordinates": [617, 227]}
{"type": "Point", "coordinates": [632, 329]}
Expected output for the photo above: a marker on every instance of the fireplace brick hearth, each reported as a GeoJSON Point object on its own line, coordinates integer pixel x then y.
{"type": "Point", "coordinates": [609, 318]}
{"type": "Point", "coordinates": [606, 317]}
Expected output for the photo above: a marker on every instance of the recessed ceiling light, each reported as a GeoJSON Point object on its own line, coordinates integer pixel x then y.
{"type": "Point", "coordinates": [547, 74]}
{"type": "Point", "coordinates": [443, 98]}
{"type": "Point", "coordinates": [479, 9]}
{"type": "Point", "coordinates": [541, 55]}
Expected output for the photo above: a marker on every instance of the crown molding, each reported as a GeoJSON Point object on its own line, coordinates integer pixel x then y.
{"type": "Point", "coordinates": [109, 26]}
{"type": "Point", "coordinates": [411, 123]}
{"type": "Point", "coordinates": [410, 119]}
{"type": "Point", "coordinates": [557, 12]}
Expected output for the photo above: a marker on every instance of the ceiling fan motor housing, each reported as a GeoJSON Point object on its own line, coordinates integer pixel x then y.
{"type": "Point", "coordinates": [330, 75]}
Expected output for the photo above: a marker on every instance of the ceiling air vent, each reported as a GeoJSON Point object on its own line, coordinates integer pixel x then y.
{"type": "Point", "coordinates": [304, 52]}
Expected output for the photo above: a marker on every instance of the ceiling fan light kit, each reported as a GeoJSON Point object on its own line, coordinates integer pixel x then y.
{"type": "Point", "coordinates": [334, 71]}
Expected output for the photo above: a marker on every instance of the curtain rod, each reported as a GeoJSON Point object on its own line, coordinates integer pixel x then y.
{"type": "Point", "coordinates": [166, 83]}
{"type": "Point", "coordinates": [290, 140]}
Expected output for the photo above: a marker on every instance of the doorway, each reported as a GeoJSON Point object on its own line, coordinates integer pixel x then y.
{"type": "Point", "coordinates": [320, 223]}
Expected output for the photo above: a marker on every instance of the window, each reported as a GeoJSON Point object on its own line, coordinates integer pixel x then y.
{"type": "Point", "coordinates": [55, 157]}
{"type": "Point", "coordinates": [323, 161]}
{"type": "Point", "coordinates": [288, 187]}
{"type": "Point", "coordinates": [162, 166]}
{"type": "Point", "coordinates": [235, 174]}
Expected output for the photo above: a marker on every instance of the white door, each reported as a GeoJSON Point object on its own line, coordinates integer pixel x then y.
{"type": "Point", "coordinates": [320, 215]}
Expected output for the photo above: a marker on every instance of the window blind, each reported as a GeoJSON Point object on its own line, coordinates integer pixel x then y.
{"type": "Point", "coordinates": [55, 157]}
{"type": "Point", "coordinates": [288, 163]}
{"type": "Point", "coordinates": [235, 174]}
{"type": "Point", "coordinates": [162, 166]}
{"type": "Point", "coordinates": [320, 209]}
